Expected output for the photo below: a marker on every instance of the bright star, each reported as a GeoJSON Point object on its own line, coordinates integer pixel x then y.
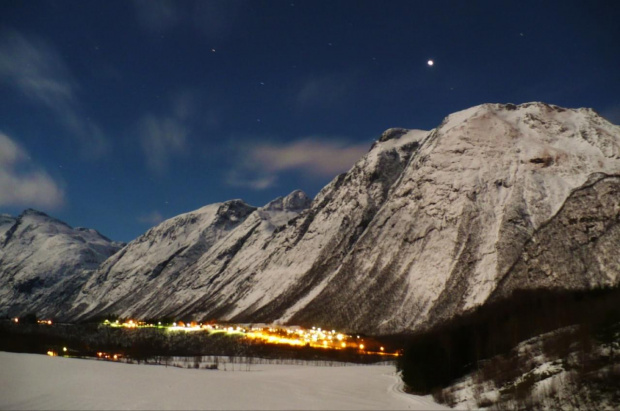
{"type": "Point", "coordinates": [430, 63]}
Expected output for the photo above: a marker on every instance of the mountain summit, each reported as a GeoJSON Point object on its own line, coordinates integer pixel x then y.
{"type": "Point", "coordinates": [44, 262]}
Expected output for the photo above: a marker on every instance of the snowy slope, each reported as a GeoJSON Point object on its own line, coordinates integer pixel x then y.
{"type": "Point", "coordinates": [153, 274]}
{"type": "Point", "coordinates": [43, 262]}
{"type": "Point", "coordinates": [40, 382]}
{"type": "Point", "coordinates": [425, 226]}
{"type": "Point", "coordinates": [255, 264]}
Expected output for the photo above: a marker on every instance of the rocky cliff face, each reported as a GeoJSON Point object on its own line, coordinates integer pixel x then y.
{"type": "Point", "coordinates": [44, 262]}
{"type": "Point", "coordinates": [576, 248]}
{"type": "Point", "coordinates": [425, 226]}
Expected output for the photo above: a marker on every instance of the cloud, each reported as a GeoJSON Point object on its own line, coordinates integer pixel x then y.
{"type": "Point", "coordinates": [241, 178]}
{"type": "Point", "coordinates": [153, 218]}
{"type": "Point", "coordinates": [211, 18]}
{"type": "Point", "coordinates": [157, 15]}
{"type": "Point", "coordinates": [161, 139]}
{"type": "Point", "coordinates": [325, 91]}
{"type": "Point", "coordinates": [217, 18]}
{"type": "Point", "coordinates": [34, 68]}
{"type": "Point", "coordinates": [22, 183]}
{"type": "Point", "coordinates": [183, 104]}
{"type": "Point", "coordinates": [315, 157]}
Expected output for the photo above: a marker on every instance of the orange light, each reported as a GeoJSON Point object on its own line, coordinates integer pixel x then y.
{"type": "Point", "coordinates": [361, 346]}
{"type": "Point", "coordinates": [343, 345]}
{"type": "Point", "coordinates": [381, 348]}
{"type": "Point", "coordinates": [115, 357]}
{"type": "Point", "coordinates": [51, 353]}
{"type": "Point", "coordinates": [16, 320]}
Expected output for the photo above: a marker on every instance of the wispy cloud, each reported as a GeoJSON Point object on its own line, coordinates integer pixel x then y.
{"type": "Point", "coordinates": [157, 15]}
{"type": "Point", "coordinates": [249, 179]}
{"type": "Point", "coordinates": [217, 19]}
{"type": "Point", "coordinates": [161, 139]}
{"type": "Point", "coordinates": [22, 183]}
{"type": "Point", "coordinates": [211, 18]}
{"type": "Point", "coordinates": [35, 69]}
{"type": "Point", "coordinates": [315, 157]}
{"type": "Point", "coordinates": [325, 91]}
{"type": "Point", "coordinates": [153, 218]}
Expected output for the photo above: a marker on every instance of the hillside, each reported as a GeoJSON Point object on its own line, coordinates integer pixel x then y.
{"type": "Point", "coordinates": [44, 262]}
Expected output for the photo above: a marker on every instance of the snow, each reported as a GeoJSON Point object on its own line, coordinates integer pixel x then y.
{"type": "Point", "coordinates": [48, 257]}
{"type": "Point", "coordinates": [30, 381]}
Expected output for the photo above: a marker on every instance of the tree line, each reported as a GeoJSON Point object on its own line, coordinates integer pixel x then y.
{"type": "Point", "coordinates": [434, 358]}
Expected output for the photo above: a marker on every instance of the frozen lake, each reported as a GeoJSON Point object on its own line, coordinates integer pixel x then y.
{"type": "Point", "coordinates": [29, 381]}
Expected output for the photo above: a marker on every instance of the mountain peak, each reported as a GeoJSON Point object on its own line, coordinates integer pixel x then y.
{"type": "Point", "coordinates": [237, 208]}
{"type": "Point", "coordinates": [295, 201]}
{"type": "Point", "coordinates": [33, 212]}
{"type": "Point", "coordinates": [392, 133]}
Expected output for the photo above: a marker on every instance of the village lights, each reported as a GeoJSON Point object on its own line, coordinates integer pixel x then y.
{"type": "Point", "coordinates": [271, 334]}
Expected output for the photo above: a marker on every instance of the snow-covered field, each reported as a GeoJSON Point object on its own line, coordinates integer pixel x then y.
{"type": "Point", "coordinates": [29, 381]}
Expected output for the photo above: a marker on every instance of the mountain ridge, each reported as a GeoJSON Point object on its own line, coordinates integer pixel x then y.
{"type": "Point", "coordinates": [425, 226]}
{"type": "Point", "coordinates": [43, 261]}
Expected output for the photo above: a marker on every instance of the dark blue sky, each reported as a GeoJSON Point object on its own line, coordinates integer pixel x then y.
{"type": "Point", "coordinates": [116, 114]}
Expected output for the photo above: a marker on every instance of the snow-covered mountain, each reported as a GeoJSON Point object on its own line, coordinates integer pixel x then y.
{"type": "Point", "coordinates": [156, 274]}
{"type": "Point", "coordinates": [44, 262]}
{"type": "Point", "coordinates": [426, 225]}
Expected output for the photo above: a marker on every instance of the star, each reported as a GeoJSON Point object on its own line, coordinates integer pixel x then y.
{"type": "Point", "coordinates": [430, 63]}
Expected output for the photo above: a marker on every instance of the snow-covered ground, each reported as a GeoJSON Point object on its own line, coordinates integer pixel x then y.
{"type": "Point", "coordinates": [29, 381]}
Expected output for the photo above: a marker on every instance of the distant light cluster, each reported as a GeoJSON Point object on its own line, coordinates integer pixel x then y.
{"type": "Point", "coordinates": [271, 334]}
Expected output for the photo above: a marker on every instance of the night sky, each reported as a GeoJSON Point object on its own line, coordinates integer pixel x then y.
{"type": "Point", "coordinates": [115, 115]}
